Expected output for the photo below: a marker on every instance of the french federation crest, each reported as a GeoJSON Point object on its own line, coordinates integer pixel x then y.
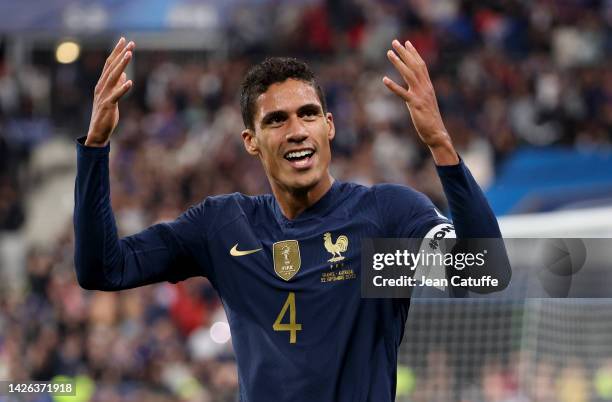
{"type": "Point", "coordinates": [335, 248]}
{"type": "Point", "coordinates": [287, 260]}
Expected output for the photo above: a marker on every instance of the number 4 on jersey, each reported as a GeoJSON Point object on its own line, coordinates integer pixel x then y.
{"type": "Point", "coordinates": [292, 327]}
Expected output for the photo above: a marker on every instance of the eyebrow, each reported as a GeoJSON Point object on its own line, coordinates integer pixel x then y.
{"type": "Point", "coordinates": [281, 114]}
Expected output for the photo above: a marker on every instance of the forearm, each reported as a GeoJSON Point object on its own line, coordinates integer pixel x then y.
{"type": "Point", "coordinates": [102, 260]}
{"type": "Point", "coordinates": [473, 219]}
{"type": "Point", "coordinates": [97, 252]}
{"type": "Point", "coordinates": [472, 216]}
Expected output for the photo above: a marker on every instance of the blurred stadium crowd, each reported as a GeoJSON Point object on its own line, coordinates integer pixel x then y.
{"type": "Point", "coordinates": [509, 74]}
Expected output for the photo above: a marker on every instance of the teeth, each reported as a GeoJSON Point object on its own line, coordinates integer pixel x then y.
{"type": "Point", "coordinates": [299, 154]}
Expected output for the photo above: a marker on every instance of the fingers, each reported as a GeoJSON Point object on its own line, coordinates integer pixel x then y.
{"type": "Point", "coordinates": [406, 73]}
{"type": "Point", "coordinates": [110, 62]}
{"type": "Point", "coordinates": [412, 50]}
{"type": "Point", "coordinates": [408, 54]}
{"type": "Point", "coordinates": [118, 69]}
{"type": "Point", "coordinates": [115, 61]}
{"type": "Point", "coordinates": [397, 89]}
{"type": "Point", "coordinates": [120, 91]}
{"type": "Point", "coordinates": [411, 67]}
{"type": "Point", "coordinates": [408, 62]}
{"type": "Point", "coordinates": [118, 47]}
{"type": "Point", "coordinates": [113, 83]}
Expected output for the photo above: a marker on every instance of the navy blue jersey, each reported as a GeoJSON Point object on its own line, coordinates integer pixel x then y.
{"type": "Point", "coordinates": [290, 288]}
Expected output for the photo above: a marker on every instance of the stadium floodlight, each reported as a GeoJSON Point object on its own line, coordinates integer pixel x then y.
{"type": "Point", "coordinates": [67, 52]}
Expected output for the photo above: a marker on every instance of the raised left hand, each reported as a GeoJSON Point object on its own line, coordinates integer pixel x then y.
{"type": "Point", "coordinates": [421, 100]}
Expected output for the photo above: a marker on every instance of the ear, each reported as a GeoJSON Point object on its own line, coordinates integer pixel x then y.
{"type": "Point", "coordinates": [250, 142]}
{"type": "Point", "coordinates": [332, 129]}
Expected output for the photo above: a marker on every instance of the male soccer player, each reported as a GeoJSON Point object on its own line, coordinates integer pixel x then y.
{"type": "Point", "coordinates": [286, 265]}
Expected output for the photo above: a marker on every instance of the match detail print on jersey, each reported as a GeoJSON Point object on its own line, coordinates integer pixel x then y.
{"type": "Point", "coordinates": [234, 252]}
{"type": "Point", "coordinates": [287, 260]}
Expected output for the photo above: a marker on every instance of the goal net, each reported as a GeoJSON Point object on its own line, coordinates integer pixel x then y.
{"type": "Point", "coordinates": [474, 350]}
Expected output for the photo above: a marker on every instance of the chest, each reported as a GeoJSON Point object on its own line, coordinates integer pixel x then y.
{"type": "Point", "coordinates": [305, 256]}
{"type": "Point", "coordinates": [305, 277]}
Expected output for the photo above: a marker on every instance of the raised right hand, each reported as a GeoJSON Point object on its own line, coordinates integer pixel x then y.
{"type": "Point", "coordinates": [111, 86]}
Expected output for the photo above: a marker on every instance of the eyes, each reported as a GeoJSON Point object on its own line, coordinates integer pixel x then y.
{"type": "Point", "coordinates": [308, 116]}
{"type": "Point", "coordinates": [276, 120]}
{"type": "Point", "coordinates": [307, 113]}
{"type": "Point", "coordinates": [310, 113]}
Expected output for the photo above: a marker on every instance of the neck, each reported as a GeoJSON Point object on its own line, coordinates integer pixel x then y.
{"type": "Point", "coordinates": [293, 202]}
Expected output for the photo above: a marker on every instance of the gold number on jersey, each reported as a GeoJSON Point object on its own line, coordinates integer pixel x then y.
{"type": "Point", "coordinates": [292, 327]}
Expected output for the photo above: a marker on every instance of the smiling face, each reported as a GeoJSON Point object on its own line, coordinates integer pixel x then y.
{"type": "Point", "coordinates": [292, 137]}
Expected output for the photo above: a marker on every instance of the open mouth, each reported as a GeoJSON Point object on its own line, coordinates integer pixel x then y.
{"type": "Point", "coordinates": [301, 158]}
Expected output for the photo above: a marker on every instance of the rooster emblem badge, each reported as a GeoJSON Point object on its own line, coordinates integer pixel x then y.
{"type": "Point", "coordinates": [336, 249]}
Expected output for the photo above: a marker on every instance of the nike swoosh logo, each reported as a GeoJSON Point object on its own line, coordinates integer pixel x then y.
{"type": "Point", "coordinates": [239, 253]}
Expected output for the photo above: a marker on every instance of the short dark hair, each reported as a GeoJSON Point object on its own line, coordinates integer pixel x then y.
{"type": "Point", "coordinates": [271, 71]}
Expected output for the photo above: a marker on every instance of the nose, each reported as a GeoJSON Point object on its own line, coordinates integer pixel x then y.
{"type": "Point", "coordinates": [296, 130]}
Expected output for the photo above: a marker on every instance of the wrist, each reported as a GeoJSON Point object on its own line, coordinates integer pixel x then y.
{"type": "Point", "coordinates": [90, 141]}
{"type": "Point", "coordinates": [444, 153]}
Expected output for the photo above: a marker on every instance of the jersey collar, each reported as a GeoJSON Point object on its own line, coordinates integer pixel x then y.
{"type": "Point", "coordinates": [316, 210]}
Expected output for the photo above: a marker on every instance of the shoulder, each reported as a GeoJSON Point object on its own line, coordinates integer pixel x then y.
{"type": "Point", "coordinates": [354, 196]}
{"type": "Point", "coordinates": [215, 212]}
{"type": "Point", "coordinates": [405, 211]}
{"type": "Point", "coordinates": [348, 189]}
{"type": "Point", "coordinates": [383, 196]}
{"type": "Point", "coordinates": [384, 202]}
{"type": "Point", "coordinates": [229, 206]}
{"type": "Point", "coordinates": [396, 194]}
{"type": "Point", "coordinates": [234, 199]}
{"type": "Point", "coordinates": [390, 189]}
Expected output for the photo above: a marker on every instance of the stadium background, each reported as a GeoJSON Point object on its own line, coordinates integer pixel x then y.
{"type": "Point", "coordinates": [525, 89]}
